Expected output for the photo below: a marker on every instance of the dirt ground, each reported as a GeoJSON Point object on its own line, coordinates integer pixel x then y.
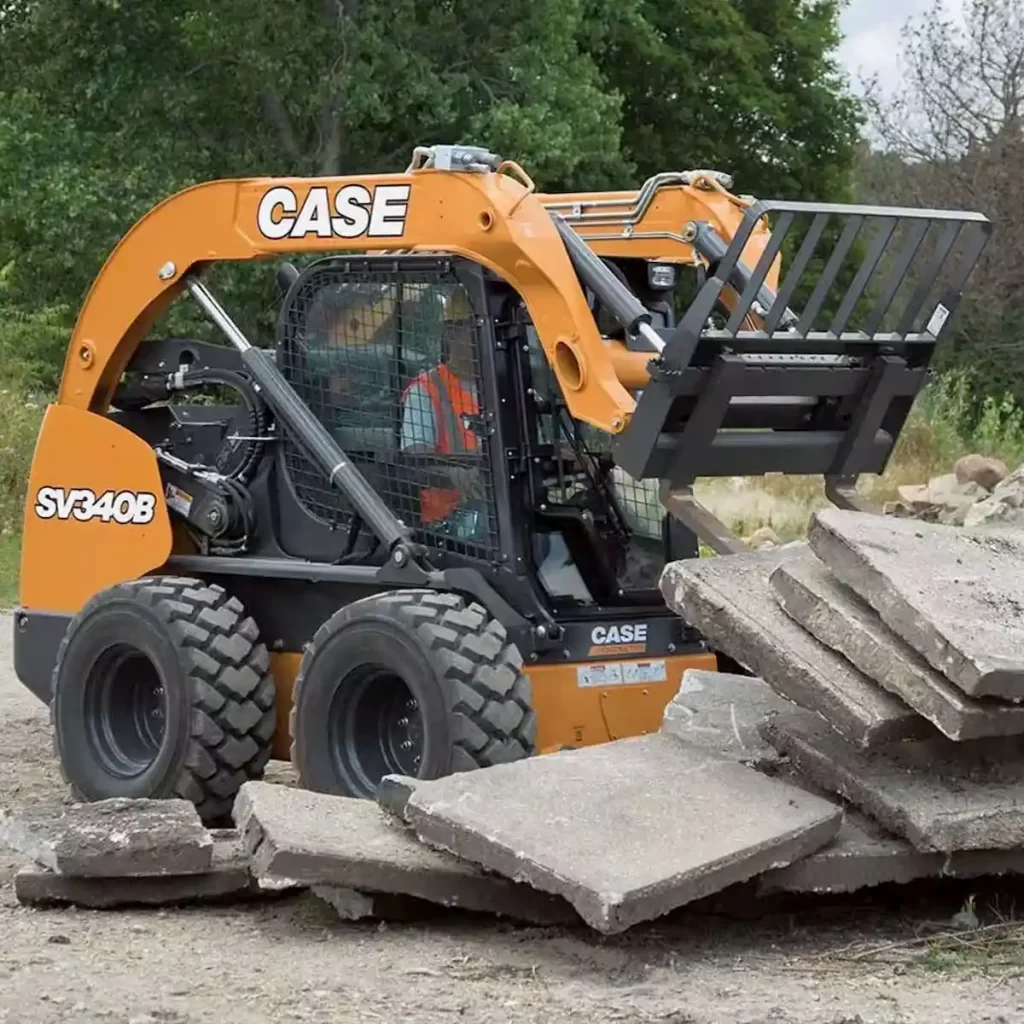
{"type": "Point", "coordinates": [833, 962]}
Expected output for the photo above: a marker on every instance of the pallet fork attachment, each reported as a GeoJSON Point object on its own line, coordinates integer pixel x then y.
{"type": "Point", "coordinates": [823, 390]}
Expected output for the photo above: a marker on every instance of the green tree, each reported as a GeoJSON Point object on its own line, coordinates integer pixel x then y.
{"type": "Point", "coordinates": [751, 87]}
{"type": "Point", "coordinates": [145, 97]}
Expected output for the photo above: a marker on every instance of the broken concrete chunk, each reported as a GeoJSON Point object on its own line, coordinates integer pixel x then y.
{"type": "Point", "coordinates": [393, 794]}
{"type": "Point", "coordinates": [865, 855]}
{"type": "Point", "coordinates": [626, 831]}
{"type": "Point", "coordinates": [814, 598]}
{"type": "Point", "coordinates": [720, 713]}
{"type": "Point", "coordinates": [319, 839]}
{"type": "Point", "coordinates": [862, 855]}
{"type": "Point", "coordinates": [351, 905]}
{"type": "Point", "coordinates": [729, 600]}
{"type": "Point", "coordinates": [938, 794]}
{"type": "Point", "coordinates": [116, 838]}
{"type": "Point", "coordinates": [956, 595]}
{"type": "Point", "coordinates": [946, 492]}
{"type": "Point", "coordinates": [994, 513]}
{"type": "Point", "coordinates": [347, 903]}
{"type": "Point", "coordinates": [227, 877]}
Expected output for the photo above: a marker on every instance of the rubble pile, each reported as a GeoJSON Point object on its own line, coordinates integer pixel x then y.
{"type": "Point", "coordinates": [900, 647]}
{"type": "Point", "coordinates": [979, 491]}
{"type": "Point", "coordinates": [876, 738]}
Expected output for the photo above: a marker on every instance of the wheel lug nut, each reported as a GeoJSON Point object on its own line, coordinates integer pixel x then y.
{"type": "Point", "coordinates": [403, 722]}
{"type": "Point", "coordinates": [407, 745]}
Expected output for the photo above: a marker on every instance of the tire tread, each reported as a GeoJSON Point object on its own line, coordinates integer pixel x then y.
{"type": "Point", "coordinates": [232, 693]}
{"type": "Point", "coordinates": [488, 697]}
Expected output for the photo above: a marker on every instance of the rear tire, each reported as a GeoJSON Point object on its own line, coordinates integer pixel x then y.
{"type": "Point", "coordinates": [413, 682]}
{"type": "Point", "coordinates": [162, 689]}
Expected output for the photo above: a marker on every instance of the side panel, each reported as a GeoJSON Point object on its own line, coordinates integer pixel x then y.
{"type": "Point", "coordinates": [574, 715]}
{"type": "Point", "coordinates": [94, 512]}
{"type": "Point", "coordinates": [285, 667]}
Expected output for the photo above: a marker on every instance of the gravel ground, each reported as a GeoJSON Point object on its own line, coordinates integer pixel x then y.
{"type": "Point", "coordinates": [292, 960]}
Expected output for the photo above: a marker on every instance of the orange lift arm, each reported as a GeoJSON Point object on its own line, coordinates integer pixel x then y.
{"type": "Point", "coordinates": [494, 218]}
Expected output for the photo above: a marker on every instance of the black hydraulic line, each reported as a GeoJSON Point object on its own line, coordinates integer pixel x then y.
{"type": "Point", "coordinates": [709, 244]}
{"type": "Point", "coordinates": [308, 432]}
{"type": "Point", "coordinates": [627, 309]}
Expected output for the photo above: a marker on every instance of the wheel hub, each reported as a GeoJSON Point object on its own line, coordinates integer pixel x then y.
{"type": "Point", "coordinates": [407, 733]}
{"type": "Point", "coordinates": [376, 729]}
{"type": "Point", "coordinates": [126, 711]}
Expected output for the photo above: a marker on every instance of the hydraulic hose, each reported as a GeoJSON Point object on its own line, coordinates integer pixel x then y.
{"type": "Point", "coordinates": [307, 431]}
{"type": "Point", "coordinates": [627, 309]}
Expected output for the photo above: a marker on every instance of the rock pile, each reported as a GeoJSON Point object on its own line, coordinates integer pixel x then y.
{"type": "Point", "coordinates": [979, 491]}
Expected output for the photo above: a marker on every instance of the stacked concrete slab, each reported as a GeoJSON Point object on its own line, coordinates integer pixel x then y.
{"type": "Point", "coordinates": [124, 852]}
{"type": "Point", "coordinates": [900, 647]}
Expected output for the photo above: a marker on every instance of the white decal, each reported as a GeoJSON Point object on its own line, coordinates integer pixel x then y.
{"type": "Point", "coordinates": [938, 319]}
{"type": "Point", "coordinates": [353, 206]}
{"type": "Point", "coordinates": [83, 504]}
{"type": "Point", "coordinates": [621, 673]}
{"type": "Point", "coordinates": [354, 211]}
{"type": "Point", "coordinates": [628, 634]}
{"type": "Point", "coordinates": [277, 197]}
{"type": "Point", "coordinates": [179, 500]}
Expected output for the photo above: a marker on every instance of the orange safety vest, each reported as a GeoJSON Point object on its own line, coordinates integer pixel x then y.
{"type": "Point", "coordinates": [450, 401]}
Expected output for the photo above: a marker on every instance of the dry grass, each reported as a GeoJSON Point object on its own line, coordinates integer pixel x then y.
{"type": "Point", "coordinates": [938, 432]}
{"type": "Point", "coordinates": [958, 945]}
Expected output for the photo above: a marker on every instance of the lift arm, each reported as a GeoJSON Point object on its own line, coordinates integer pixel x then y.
{"type": "Point", "coordinates": [489, 217]}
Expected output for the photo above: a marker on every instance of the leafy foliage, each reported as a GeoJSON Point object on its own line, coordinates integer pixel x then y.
{"type": "Point", "coordinates": [751, 87]}
{"type": "Point", "coordinates": [143, 98]}
{"type": "Point", "coordinates": [954, 137]}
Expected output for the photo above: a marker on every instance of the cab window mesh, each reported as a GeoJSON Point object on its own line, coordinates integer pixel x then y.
{"type": "Point", "coordinates": [637, 514]}
{"type": "Point", "coordinates": [387, 358]}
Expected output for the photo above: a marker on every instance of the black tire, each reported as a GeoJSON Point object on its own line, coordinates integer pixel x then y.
{"type": "Point", "coordinates": [427, 659]}
{"type": "Point", "coordinates": [162, 689]}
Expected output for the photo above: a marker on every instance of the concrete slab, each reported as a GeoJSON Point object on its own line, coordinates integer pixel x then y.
{"type": "Point", "coordinates": [955, 594]}
{"type": "Point", "coordinates": [227, 878]}
{"type": "Point", "coordinates": [626, 831]}
{"type": "Point", "coordinates": [833, 613]}
{"type": "Point", "coordinates": [720, 713]}
{"type": "Point", "coordinates": [111, 838]}
{"type": "Point", "coordinates": [938, 794]}
{"type": "Point", "coordinates": [865, 855]}
{"type": "Point", "coordinates": [393, 794]}
{"type": "Point", "coordinates": [319, 839]}
{"type": "Point", "coordinates": [729, 600]}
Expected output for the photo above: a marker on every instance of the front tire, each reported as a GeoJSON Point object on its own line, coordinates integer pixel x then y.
{"type": "Point", "coordinates": [412, 682]}
{"type": "Point", "coordinates": [162, 689]}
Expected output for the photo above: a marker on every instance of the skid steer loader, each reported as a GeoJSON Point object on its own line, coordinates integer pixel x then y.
{"type": "Point", "coordinates": [423, 532]}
